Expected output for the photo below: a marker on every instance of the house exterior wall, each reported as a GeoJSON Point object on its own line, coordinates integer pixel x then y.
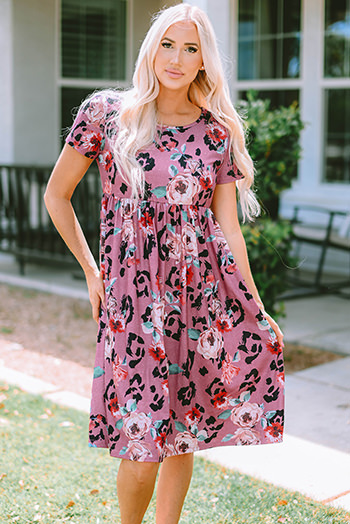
{"type": "Point", "coordinates": [6, 84]}
{"type": "Point", "coordinates": [30, 87]}
{"type": "Point", "coordinates": [34, 101]}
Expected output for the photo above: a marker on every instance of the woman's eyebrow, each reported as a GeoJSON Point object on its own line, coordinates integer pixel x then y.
{"type": "Point", "coordinates": [173, 41]}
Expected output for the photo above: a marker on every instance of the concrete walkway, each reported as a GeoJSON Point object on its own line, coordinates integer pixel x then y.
{"type": "Point", "coordinates": [315, 456]}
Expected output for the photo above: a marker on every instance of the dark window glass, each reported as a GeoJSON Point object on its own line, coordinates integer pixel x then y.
{"type": "Point", "coordinates": [337, 39]}
{"type": "Point", "coordinates": [337, 135]}
{"type": "Point", "coordinates": [93, 39]}
{"type": "Point", "coordinates": [269, 39]}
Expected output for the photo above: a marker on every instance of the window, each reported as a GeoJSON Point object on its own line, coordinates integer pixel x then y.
{"type": "Point", "coordinates": [336, 95]}
{"type": "Point", "coordinates": [93, 39]}
{"type": "Point", "coordinates": [337, 135]}
{"type": "Point", "coordinates": [337, 39]}
{"type": "Point", "coordinates": [93, 50]}
{"type": "Point", "coordinates": [268, 39]}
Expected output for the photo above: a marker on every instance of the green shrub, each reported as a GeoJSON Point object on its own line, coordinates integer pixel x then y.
{"type": "Point", "coordinates": [274, 145]}
{"type": "Point", "coordinates": [269, 246]}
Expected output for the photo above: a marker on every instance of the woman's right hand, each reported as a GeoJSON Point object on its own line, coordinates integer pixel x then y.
{"type": "Point", "coordinates": [96, 293]}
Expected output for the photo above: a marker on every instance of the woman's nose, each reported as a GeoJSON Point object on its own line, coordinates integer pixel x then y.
{"type": "Point", "coordinates": [176, 56]}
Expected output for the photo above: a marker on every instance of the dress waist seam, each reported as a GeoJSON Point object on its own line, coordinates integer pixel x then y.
{"type": "Point", "coordinates": [152, 201]}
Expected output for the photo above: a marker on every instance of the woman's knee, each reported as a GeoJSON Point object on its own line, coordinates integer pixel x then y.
{"type": "Point", "coordinates": [142, 473]}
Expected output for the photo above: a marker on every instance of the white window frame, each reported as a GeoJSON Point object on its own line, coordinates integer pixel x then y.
{"type": "Point", "coordinates": [310, 186]}
{"type": "Point", "coordinates": [90, 83]}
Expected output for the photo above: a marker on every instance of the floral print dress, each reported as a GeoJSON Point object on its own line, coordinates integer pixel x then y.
{"type": "Point", "coordinates": [185, 358]}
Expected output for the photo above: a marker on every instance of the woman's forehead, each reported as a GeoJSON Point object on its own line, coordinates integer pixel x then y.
{"type": "Point", "coordinates": [183, 29]}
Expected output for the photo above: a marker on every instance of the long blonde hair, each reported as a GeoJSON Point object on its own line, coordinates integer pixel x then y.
{"type": "Point", "coordinates": [137, 117]}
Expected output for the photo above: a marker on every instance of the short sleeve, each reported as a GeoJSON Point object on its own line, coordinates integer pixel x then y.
{"type": "Point", "coordinates": [228, 171]}
{"type": "Point", "coordinates": [86, 134]}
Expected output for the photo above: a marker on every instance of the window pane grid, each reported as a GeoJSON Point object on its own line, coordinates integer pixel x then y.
{"type": "Point", "coordinates": [337, 135]}
{"type": "Point", "coordinates": [268, 39]}
{"type": "Point", "coordinates": [337, 39]}
{"type": "Point", "coordinates": [93, 41]}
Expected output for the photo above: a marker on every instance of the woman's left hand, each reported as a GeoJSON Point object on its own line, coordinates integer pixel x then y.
{"type": "Point", "coordinates": [276, 329]}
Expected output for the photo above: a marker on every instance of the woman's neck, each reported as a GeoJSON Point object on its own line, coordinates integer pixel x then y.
{"type": "Point", "coordinates": [175, 109]}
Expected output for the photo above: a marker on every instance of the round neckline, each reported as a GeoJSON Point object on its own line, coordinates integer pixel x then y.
{"type": "Point", "coordinates": [185, 126]}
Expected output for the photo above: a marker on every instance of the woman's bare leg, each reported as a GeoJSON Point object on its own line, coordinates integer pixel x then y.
{"type": "Point", "coordinates": [173, 483]}
{"type": "Point", "coordinates": [135, 485]}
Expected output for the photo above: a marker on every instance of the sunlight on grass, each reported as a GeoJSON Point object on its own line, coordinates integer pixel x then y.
{"type": "Point", "coordinates": [49, 475]}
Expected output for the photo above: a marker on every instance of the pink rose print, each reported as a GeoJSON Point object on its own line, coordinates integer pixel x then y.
{"type": "Point", "coordinates": [246, 437]}
{"type": "Point", "coordinates": [220, 238]}
{"type": "Point", "coordinates": [108, 187]}
{"type": "Point", "coordinates": [215, 306]}
{"type": "Point", "coordinates": [185, 443]}
{"type": "Point", "coordinates": [109, 343]}
{"type": "Point", "coordinates": [119, 373]}
{"type": "Point", "coordinates": [136, 425]}
{"type": "Point", "coordinates": [182, 189]}
{"type": "Point", "coordinates": [193, 166]}
{"type": "Point", "coordinates": [210, 343]}
{"type": "Point", "coordinates": [127, 208]}
{"type": "Point", "coordinates": [138, 451]}
{"type": "Point", "coordinates": [247, 414]}
{"type": "Point", "coordinates": [97, 110]}
{"type": "Point", "coordinates": [128, 231]}
{"type": "Point", "coordinates": [189, 240]}
{"type": "Point", "coordinates": [173, 243]}
{"type": "Point", "coordinates": [158, 312]}
{"type": "Point", "coordinates": [229, 370]}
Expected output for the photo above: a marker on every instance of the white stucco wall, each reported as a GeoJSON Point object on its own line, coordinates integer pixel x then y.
{"type": "Point", "coordinates": [34, 82]}
{"type": "Point", "coordinates": [6, 84]}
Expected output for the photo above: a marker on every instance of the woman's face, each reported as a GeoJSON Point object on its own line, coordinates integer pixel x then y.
{"type": "Point", "coordinates": [178, 58]}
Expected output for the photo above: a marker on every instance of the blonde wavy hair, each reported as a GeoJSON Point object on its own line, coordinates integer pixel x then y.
{"type": "Point", "coordinates": [137, 120]}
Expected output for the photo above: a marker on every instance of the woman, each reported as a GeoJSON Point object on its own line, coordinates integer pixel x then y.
{"type": "Point", "coordinates": [187, 358]}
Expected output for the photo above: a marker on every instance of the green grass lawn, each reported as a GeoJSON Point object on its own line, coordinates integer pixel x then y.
{"type": "Point", "coordinates": [48, 474]}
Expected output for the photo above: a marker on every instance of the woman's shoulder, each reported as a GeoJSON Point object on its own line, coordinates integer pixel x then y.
{"type": "Point", "coordinates": [101, 106]}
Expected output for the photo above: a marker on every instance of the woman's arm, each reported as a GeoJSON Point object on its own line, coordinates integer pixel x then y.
{"type": "Point", "coordinates": [224, 207]}
{"type": "Point", "coordinates": [67, 173]}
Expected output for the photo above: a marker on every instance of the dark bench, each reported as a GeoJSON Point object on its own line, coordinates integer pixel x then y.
{"type": "Point", "coordinates": [26, 230]}
{"type": "Point", "coordinates": [329, 229]}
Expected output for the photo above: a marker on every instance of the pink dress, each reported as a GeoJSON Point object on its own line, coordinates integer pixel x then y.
{"type": "Point", "coordinates": [185, 358]}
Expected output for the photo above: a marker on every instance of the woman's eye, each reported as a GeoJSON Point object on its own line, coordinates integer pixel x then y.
{"type": "Point", "coordinates": [192, 49]}
{"type": "Point", "coordinates": [166, 45]}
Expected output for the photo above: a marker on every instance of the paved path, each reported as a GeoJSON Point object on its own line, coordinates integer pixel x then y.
{"type": "Point", "coordinates": [315, 456]}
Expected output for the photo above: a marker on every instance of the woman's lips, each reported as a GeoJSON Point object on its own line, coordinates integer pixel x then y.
{"type": "Point", "coordinates": [173, 73]}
